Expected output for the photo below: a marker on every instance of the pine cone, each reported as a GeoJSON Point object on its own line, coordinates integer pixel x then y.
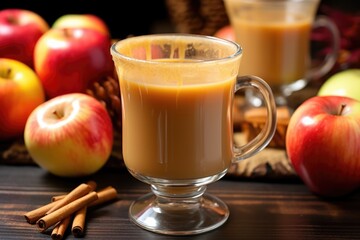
{"type": "Point", "coordinates": [107, 91]}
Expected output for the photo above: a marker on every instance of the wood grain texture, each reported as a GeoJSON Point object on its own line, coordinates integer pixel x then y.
{"type": "Point", "coordinates": [259, 210]}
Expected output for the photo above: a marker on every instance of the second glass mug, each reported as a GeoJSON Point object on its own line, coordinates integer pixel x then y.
{"type": "Point", "coordinates": [276, 39]}
{"type": "Point", "coordinates": [177, 93]}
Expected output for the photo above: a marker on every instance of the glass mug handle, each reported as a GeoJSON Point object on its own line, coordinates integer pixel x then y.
{"type": "Point", "coordinates": [331, 57]}
{"type": "Point", "coordinates": [266, 134]}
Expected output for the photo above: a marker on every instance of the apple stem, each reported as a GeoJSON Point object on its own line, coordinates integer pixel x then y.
{"type": "Point", "coordinates": [6, 73]}
{"type": "Point", "coordinates": [67, 32]}
{"type": "Point", "coordinates": [57, 114]}
{"type": "Point", "coordinates": [12, 19]}
{"type": "Point", "coordinates": [341, 109]}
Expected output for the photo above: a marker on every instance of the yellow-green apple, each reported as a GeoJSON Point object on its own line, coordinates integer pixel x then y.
{"type": "Point", "coordinates": [322, 143]}
{"type": "Point", "coordinates": [226, 32]}
{"type": "Point", "coordinates": [19, 31]}
{"type": "Point", "coordinates": [344, 83]}
{"type": "Point", "coordinates": [70, 135]}
{"type": "Point", "coordinates": [69, 60]}
{"type": "Point", "coordinates": [20, 93]}
{"type": "Point", "coordinates": [82, 21]}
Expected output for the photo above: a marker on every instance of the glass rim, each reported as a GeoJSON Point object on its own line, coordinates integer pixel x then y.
{"type": "Point", "coordinates": [238, 50]}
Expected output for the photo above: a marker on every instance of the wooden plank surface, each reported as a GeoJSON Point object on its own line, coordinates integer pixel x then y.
{"type": "Point", "coordinates": [259, 210]}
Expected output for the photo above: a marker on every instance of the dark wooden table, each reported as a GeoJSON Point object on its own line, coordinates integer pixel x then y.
{"type": "Point", "coordinates": [259, 210]}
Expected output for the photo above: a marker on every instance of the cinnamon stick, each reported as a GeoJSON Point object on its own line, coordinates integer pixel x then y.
{"type": "Point", "coordinates": [65, 211]}
{"type": "Point", "coordinates": [79, 219]}
{"type": "Point", "coordinates": [34, 215]}
{"type": "Point", "coordinates": [59, 230]}
{"type": "Point", "coordinates": [79, 223]}
{"type": "Point", "coordinates": [76, 193]}
{"type": "Point", "coordinates": [57, 198]}
{"type": "Point", "coordinates": [104, 195]}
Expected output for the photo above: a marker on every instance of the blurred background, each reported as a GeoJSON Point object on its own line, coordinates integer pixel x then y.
{"type": "Point", "coordinates": [142, 17]}
{"type": "Point", "coordinates": [129, 18]}
{"type": "Point", "coordinates": [126, 18]}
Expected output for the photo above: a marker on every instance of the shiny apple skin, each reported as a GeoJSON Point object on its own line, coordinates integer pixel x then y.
{"type": "Point", "coordinates": [70, 135]}
{"type": "Point", "coordinates": [345, 83]}
{"type": "Point", "coordinates": [82, 21]}
{"type": "Point", "coordinates": [20, 29]}
{"type": "Point", "coordinates": [324, 146]}
{"type": "Point", "coordinates": [20, 93]}
{"type": "Point", "coordinates": [70, 60]}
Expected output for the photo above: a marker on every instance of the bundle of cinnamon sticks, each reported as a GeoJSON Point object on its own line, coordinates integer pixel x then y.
{"type": "Point", "coordinates": [70, 207]}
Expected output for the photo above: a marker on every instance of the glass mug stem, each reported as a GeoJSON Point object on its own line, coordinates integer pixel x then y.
{"type": "Point", "coordinates": [179, 210]}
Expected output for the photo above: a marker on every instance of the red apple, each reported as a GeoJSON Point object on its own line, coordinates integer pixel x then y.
{"type": "Point", "coordinates": [69, 60]}
{"type": "Point", "coordinates": [20, 93]}
{"type": "Point", "coordinates": [323, 144]}
{"type": "Point", "coordinates": [226, 32]}
{"type": "Point", "coordinates": [70, 135]}
{"type": "Point", "coordinates": [19, 31]}
{"type": "Point", "coordinates": [82, 21]}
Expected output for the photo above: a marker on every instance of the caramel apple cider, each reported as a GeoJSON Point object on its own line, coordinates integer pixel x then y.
{"type": "Point", "coordinates": [275, 49]}
{"type": "Point", "coordinates": [177, 120]}
{"type": "Point", "coordinates": [275, 36]}
{"type": "Point", "coordinates": [182, 131]}
{"type": "Point", "coordinates": [177, 94]}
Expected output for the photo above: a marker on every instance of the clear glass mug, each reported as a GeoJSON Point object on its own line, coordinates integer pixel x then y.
{"type": "Point", "coordinates": [275, 36]}
{"type": "Point", "coordinates": [177, 94]}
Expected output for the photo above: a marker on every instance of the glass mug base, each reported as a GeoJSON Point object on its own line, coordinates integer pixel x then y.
{"type": "Point", "coordinates": [207, 214]}
{"type": "Point", "coordinates": [178, 207]}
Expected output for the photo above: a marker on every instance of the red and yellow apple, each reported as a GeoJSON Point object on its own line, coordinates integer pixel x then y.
{"type": "Point", "coordinates": [322, 143]}
{"type": "Point", "coordinates": [69, 60]}
{"type": "Point", "coordinates": [20, 93]}
{"type": "Point", "coordinates": [19, 31]}
{"type": "Point", "coordinates": [82, 21]}
{"type": "Point", "coordinates": [70, 135]}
